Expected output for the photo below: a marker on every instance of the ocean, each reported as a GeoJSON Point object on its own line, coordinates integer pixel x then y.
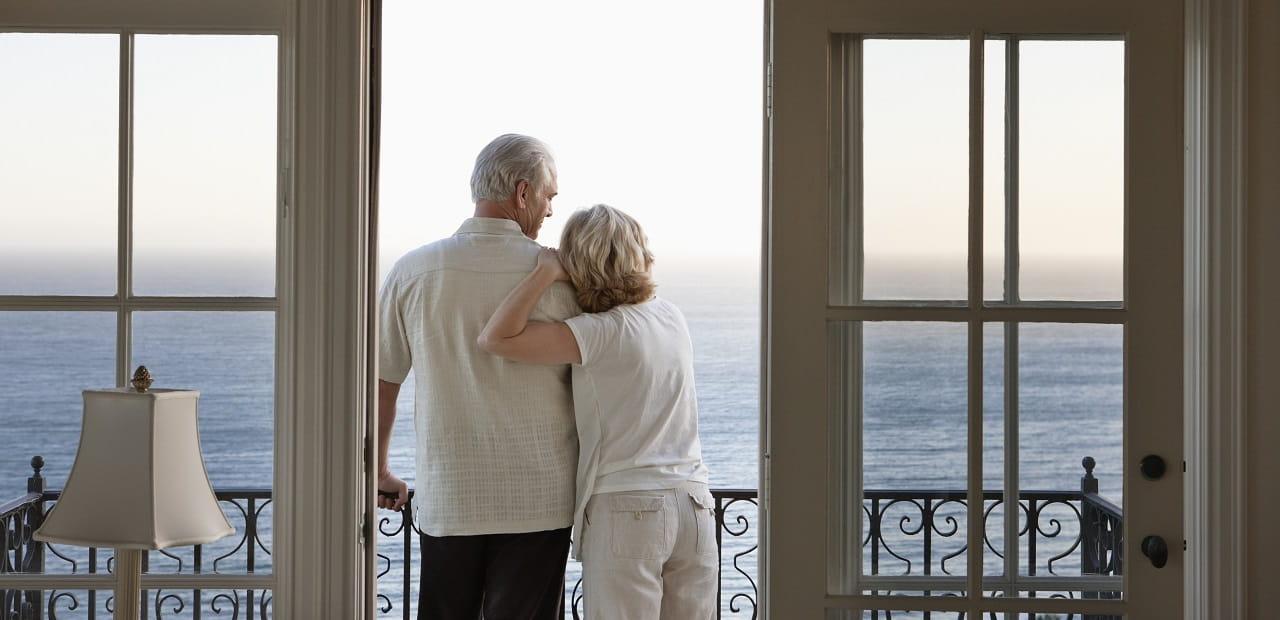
{"type": "Point", "coordinates": [1069, 396]}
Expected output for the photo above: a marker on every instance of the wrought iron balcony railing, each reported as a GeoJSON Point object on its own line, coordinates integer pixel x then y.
{"type": "Point", "coordinates": [906, 533]}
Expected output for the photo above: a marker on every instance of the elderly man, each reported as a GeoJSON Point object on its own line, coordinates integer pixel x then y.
{"type": "Point", "coordinates": [496, 447]}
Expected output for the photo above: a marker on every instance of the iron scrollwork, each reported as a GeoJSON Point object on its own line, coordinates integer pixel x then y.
{"type": "Point", "coordinates": [908, 532]}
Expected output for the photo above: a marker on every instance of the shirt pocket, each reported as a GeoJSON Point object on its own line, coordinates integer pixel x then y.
{"type": "Point", "coordinates": [639, 526]}
{"type": "Point", "coordinates": [704, 512]}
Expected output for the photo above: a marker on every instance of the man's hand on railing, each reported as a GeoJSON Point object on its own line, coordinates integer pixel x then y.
{"type": "Point", "coordinates": [393, 493]}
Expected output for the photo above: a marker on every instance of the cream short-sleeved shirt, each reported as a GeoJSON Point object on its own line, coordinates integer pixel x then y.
{"type": "Point", "coordinates": [496, 446]}
{"type": "Point", "coordinates": [635, 402]}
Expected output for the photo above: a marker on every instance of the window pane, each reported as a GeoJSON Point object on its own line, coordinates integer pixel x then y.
{"type": "Point", "coordinates": [1071, 170]}
{"type": "Point", "coordinates": [46, 360]}
{"type": "Point", "coordinates": [1057, 388]}
{"type": "Point", "coordinates": [1070, 376]}
{"type": "Point", "coordinates": [229, 357]}
{"type": "Point", "coordinates": [1071, 406]}
{"type": "Point", "coordinates": [246, 550]}
{"type": "Point", "coordinates": [993, 169]}
{"type": "Point", "coordinates": [915, 167]}
{"type": "Point", "coordinates": [901, 387]}
{"type": "Point", "coordinates": [993, 449]}
{"type": "Point", "coordinates": [59, 125]}
{"type": "Point", "coordinates": [205, 165]}
{"type": "Point", "coordinates": [915, 398]}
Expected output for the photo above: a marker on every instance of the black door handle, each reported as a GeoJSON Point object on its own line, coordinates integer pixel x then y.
{"type": "Point", "coordinates": [1152, 467]}
{"type": "Point", "coordinates": [1154, 548]}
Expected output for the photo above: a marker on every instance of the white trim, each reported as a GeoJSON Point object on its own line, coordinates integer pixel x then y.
{"type": "Point", "coordinates": [764, 540]}
{"type": "Point", "coordinates": [320, 436]}
{"type": "Point", "coordinates": [285, 332]}
{"type": "Point", "coordinates": [1017, 584]}
{"type": "Point", "coordinates": [38, 303]}
{"type": "Point", "coordinates": [143, 15]}
{"type": "Point", "coordinates": [1215, 309]}
{"type": "Point", "coordinates": [124, 210]}
{"type": "Point", "coordinates": [975, 382]}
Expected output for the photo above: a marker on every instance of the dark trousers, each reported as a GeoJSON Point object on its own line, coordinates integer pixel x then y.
{"type": "Point", "coordinates": [493, 576]}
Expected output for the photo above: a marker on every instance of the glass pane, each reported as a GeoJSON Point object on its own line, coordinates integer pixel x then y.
{"type": "Point", "coordinates": [914, 401]}
{"type": "Point", "coordinates": [900, 407]}
{"type": "Point", "coordinates": [915, 167]}
{"type": "Point", "coordinates": [1070, 446]}
{"type": "Point", "coordinates": [59, 126]}
{"type": "Point", "coordinates": [46, 360]}
{"type": "Point", "coordinates": [205, 165]}
{"type": "Point", "coordinates": [246, 550]}
{"type": "Point", "coordinates": [1071, 170]}
{"type": "Point", "coordinates": [914, 405]}
{"type": "Point", "coordinates": [993, 169]}
{"type": "Point", "coordinates": [993, 450]}
{"type": "Point", "coordinates": [229, 357]}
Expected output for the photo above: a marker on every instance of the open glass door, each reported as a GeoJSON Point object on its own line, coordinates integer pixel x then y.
{"type": "Point", "coordinates": [989, 344]}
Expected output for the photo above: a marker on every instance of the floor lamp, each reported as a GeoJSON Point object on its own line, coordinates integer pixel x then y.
{"type": "Point", "coordinates": [138, 483]}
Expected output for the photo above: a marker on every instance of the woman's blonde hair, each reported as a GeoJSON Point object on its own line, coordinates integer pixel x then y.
{"type": "Point", "coordinates": [606, 255]}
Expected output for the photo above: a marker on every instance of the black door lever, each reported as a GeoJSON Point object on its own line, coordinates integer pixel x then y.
{"type": "Point", "coordinates": [1154, 548]}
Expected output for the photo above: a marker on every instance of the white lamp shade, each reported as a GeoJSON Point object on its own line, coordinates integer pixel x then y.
{"type": "Point", "coordinates": [138, 481]}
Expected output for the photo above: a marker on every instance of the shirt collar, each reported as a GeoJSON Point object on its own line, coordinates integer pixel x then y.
{"type": "Point", "coordinates": [489, 225]}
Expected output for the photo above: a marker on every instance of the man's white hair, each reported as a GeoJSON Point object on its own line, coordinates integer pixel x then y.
{"type": "Point", "coordinates": [507, 160]}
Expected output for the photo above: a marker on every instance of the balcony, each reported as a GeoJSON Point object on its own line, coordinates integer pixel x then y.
{"type": "Point", "coordinates": [914, 533]}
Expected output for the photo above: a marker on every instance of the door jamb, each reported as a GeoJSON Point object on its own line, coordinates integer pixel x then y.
{"type": "Point", "coordinates": [1215, 340]}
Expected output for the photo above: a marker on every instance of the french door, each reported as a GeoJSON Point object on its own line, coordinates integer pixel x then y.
{"type": "Point", "coordinates": [974, 355]}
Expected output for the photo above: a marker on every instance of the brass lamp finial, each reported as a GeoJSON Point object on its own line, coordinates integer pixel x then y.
{"type": "Point", "coordinates": [141, 379]}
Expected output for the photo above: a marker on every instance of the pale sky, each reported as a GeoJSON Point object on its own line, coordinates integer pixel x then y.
{"type": "Point", "coordinates": [204, 142]}
{"type": "Point", "coordinates": [653, 108]}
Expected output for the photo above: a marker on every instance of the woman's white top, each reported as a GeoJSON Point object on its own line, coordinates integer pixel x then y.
{"type": "Point", "coordinates": [634, 403]}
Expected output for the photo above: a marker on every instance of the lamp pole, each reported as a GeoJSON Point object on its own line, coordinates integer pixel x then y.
{"type": "Point", "coordinates": [128, 593]}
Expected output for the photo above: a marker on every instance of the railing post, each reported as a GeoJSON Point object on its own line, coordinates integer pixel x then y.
{"type": "Point", "coordinates": [406, 520]}
{"type": "Point", "coordinates": [1088, 484]}
{"type": "Point", "coordinates": [1090, 521]}
{"type": "Point", "coordinates": [719, 555]}
{"type": "Point", "coordinates": [34, 562]}
{"type": "Point", "coordinates": [876, 538]}
{"type": "Point", "coordinates": [1089, 559]}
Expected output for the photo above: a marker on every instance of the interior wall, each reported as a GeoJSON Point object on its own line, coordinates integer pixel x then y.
{"type": "Point", "coordinates": [1263, 541]}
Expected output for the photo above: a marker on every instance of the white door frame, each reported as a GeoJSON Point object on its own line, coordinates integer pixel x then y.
{"type": "Point", "coordinates": [1215, 340]}
{"type": "Point", "coordinates": [325, 276]}
{"type": "Point", "coordinates": [322, 438]}
{"type": "Point", "coordinates": [1215, 344]}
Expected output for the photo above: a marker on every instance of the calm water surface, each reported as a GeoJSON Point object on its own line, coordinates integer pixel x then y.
{"type": "Point", "coordinates": [1069, 396]}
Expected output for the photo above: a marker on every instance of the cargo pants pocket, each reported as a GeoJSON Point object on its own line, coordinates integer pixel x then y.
{"type": "Point", "coordinates": [639, 526]}
{"type": "Point", "coordinates": [705, 513]}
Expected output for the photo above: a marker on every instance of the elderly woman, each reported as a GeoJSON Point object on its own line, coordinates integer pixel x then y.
{"type": "Point", "coordinates": [644, 527]}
